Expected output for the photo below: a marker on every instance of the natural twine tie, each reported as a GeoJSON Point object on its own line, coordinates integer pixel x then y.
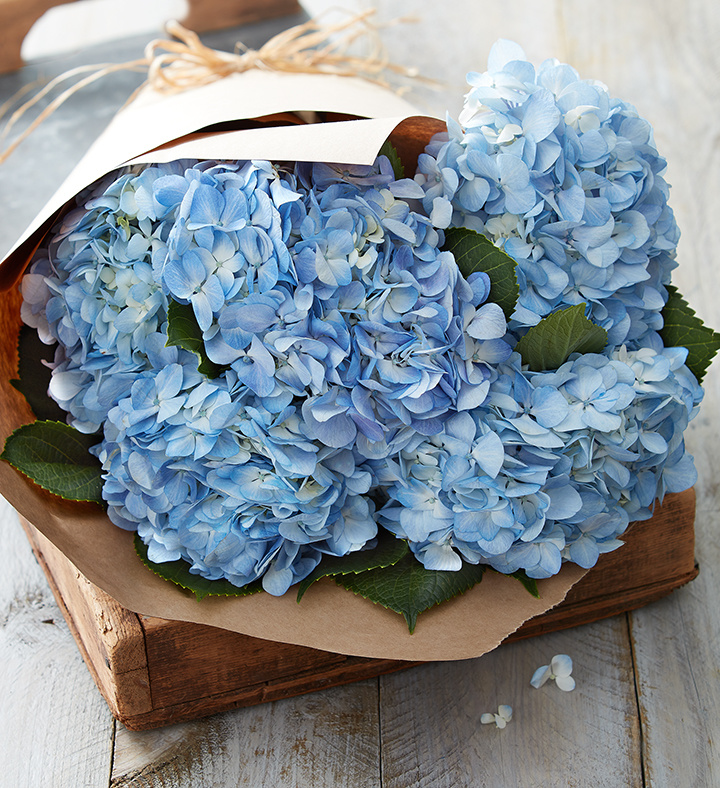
{"type": "Point", "coordinates": [176, 65]}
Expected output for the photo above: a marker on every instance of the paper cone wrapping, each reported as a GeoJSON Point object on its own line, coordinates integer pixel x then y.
{"type": "Point", "coordinates": [160, 129]}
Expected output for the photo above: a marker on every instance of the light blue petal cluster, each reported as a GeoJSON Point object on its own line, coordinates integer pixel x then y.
{"type": "Point", "coordinates": [553, 467]}
{"type": "Point", "coordinates": [363, 381]}
{"type": "Point", "coordinates": [568, 181]}
{"type": "Point", "coordinates": [341, 329]}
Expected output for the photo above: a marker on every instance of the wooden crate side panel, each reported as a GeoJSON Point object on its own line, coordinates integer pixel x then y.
{"type": "Point", "coordinates": [350, 670]}
{"type": "Point", "coordinates": [189, 661]}
{"type": "Point", "coordinates": [109, 637]}
{"type": "Point", "coordinates": [584, 611]}
{"type": "Point", "coordinates": [154, 671]}
{"type": "Point", "coordinates": [658, 549]}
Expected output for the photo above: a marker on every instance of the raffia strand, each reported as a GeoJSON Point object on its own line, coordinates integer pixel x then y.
{"type": "Point", "coordinates": [183, 62]}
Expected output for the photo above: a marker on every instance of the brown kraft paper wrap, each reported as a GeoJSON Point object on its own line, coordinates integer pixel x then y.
{"type": "Point", "coordinates": [329, 617]}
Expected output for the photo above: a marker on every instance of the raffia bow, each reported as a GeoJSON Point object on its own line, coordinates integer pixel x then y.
{"type": "Point", "coordinates": [309, 48]}
{"type": "Point", "coordinates": [185, 62]}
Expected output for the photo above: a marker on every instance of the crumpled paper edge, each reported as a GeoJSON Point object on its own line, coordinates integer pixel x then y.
{"type": "Point", "coordinates": [329, 617]}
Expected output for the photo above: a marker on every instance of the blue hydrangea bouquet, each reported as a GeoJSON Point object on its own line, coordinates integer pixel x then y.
{"type": "Point", "coordinates": [400, 375]}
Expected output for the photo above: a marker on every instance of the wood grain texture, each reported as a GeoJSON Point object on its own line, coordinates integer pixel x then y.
{"type": "Point", "coordinates": [154, 672]}
{"type": "Point", "coordinates": [432, 735]}
{"type": "Point", "coordinates": [670, 78]}
{"type": "Point", "coordinates": [217, 660]}
{"type": "Point", "coordinates": [326, 739]}
{"type": "Point", "coordinates": [678, 676]}
{"type": "Point", "coordinates": [109, 637]}
{"type": "Point", "coordinates": [55, 729]}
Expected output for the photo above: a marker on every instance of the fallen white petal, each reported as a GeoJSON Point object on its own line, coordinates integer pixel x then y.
{"type": "Point", "coordinates": [561, 665]}
{"type": "Point", "coordinates": [500, 719]}
{"type": "Point", "coordinates": [565, 683]}
{"type": "Point", "coordinates": [540, 676]}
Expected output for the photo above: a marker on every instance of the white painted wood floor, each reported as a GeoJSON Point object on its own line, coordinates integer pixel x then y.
{"type": "Point", "coordinates": [646, 711]}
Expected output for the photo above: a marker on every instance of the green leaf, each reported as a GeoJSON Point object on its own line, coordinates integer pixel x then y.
{"type": "Point", "coordinates": [388, 551]}
{"type": "Point", "coordinates": [34, 376]}
{"type": "Point", "coordinates": [549, 344]}
{"type": "Point", "coordinates": [683, 328]}
{"type": "Point", "coordinates": [178, 572]}
{"type": "Point", "coordinates": [530, 583]}
{"type": "Point", "coordinates": [57, 457]}
{"type": "Point", "coordinates": [184, 331]}
{"type": "Point", "coordinates": [474, 252]}
{"type": "Point", "coordinates": [389, 150]}
{"type": "Point", "coordinates": [408, 588]}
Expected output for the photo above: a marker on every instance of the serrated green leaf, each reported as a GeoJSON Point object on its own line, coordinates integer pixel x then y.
{"type": "Point", "coordinates": [529, 583]}
{"type": "Point", "coordinates": [56, 457]}
{"type": "Point", "coordinates": [548, 344]}
{"type": "Point", "coordinates": [683, 328]}
{"type": "Point", "coordinates": [474, 252]}
{"type": "Point", "coordinates": [178, 572]}
{"type": "Point", "coordinates": [34, 376]}
{"type": "Point", "coordinates": [388, 551]}
{"type": "Point", "coordinates": [408, 588]}
{"type": "Point", "coordinates": [389, 150]}
{"type": "Point", "coordinates": [184, 331]}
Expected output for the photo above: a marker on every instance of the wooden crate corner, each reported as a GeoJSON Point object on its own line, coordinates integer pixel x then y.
{"type": "Point", "coordinates": [155, 672]}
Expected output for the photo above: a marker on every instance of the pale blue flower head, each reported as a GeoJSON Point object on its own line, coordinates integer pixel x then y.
{"type": "Point", "coordinates": [568, 181]}
{"type": "Point", "coordinates": [354, 379]}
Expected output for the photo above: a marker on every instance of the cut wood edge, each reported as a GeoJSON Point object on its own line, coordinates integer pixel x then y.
{"type": "Point", "coordinates": [109, 637]}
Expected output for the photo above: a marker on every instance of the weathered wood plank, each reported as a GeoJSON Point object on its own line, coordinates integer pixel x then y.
{"type": "Point", "coordinates": [676, 641]}
{"type": "Point", "coordinates": [55, 728]}
{"type": "Point", "coordinates": [678, 667]}
{"type": "Point", "coordinates": [432, 735]}
{"type": "Point", "coordinates": [109, 637]}
{"type": "Point", "coordinates": [329, 738]}
{"type": "Point", "coordinates": [668, 77]}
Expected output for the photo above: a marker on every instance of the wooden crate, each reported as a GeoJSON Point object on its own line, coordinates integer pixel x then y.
{"type": "Point", "coordinates": [154, 672]}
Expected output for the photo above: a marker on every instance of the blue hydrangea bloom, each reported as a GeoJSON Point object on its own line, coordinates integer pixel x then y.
{"type": "Point", "coordinates": [568, 181]}
{"type": "Point", "coordinates": [341, 328]}
{"type": "Point", "coordinates": [363, 382]}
